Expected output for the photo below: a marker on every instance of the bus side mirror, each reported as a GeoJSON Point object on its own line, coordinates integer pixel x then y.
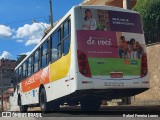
{"type": "Point", "coordinates": [12, 81]}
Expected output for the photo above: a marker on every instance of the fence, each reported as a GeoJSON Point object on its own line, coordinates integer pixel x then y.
{"type": "Point", "coordinates": [152, 37]}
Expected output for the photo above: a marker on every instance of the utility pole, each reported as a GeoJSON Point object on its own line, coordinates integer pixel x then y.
{"type": "Point", "coordinates": [127, 4]}
{"type": "Point", "coordinates": [51, 14]}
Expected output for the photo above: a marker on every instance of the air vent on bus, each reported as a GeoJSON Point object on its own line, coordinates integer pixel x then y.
{"type": "Point", "coordinates": [83, 64]}
{"type": "Point", "coordinates": [144, 67]}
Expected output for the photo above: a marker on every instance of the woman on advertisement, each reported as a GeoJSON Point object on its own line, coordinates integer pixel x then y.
{"type": "Point", "coordinates": [89, 23]}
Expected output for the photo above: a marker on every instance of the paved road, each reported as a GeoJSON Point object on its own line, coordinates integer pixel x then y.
{"type": "Point", "coordinates": [105, 113]}
{"type": "Point", "coordinates": [80, 118]}
{"type": "Point", "coordinates": [109, 111]}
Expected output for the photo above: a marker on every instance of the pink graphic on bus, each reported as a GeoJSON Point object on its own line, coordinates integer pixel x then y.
{"type": "Point", "coordinates": [98, 44]}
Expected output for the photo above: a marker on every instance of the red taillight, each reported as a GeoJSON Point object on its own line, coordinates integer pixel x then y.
{"type": "Point", "coordinates": [84, 68]}
{"type": "Point", "coordinates": [144, 67]}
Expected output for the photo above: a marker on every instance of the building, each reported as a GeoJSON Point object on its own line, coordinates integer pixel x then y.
{"type": "Point", "coordinates": [6, 71]}
{"type": "Point", "coordinates": [127, 4]}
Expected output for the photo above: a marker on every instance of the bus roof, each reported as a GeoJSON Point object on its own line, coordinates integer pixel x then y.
{"type": "Point", "coordinates": [107, 8]}
{"type": "Point", "coordinates": [65, 16]}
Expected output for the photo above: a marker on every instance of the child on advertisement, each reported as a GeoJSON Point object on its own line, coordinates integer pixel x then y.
{"type": "Point", "coordinates": [139, 50]}
{"type": "Point", "coordinates": [133, 49]}
{"type": "Point", "coordinates": [129, 49]}
{"type": "Point", "coordinates": [122, 47]}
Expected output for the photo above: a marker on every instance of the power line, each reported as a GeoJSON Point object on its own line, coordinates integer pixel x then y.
{"type": "Point", "coordinates": [20, 21]}
{"type": "Point", "coordinates": [41, 12]}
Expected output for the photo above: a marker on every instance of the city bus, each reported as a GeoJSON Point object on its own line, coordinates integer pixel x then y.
{"type": "Point", "coordinates": [93, 53]}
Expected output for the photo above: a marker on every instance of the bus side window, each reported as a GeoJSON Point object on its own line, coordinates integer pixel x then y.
{"type": "Point", "coordinates": [59, 44]}
{"type": "Point", "coordinates": [36, 60]}
{"type": "Point", "coordinates": [25, 69]}
{"type": "Point", "coordinates": [30, 62]}
{"type": "Point", "coordinates": [66, 37]}
{"type": "Point", "coordinates": [20, 74]}
{"type": "Point", "coordinates": [45, 53]}
{"type": "Point", "coordinates": [23, 72]}
{"type": "Point", "coordinates": [54, 47]}
{"type": "Point", "coordinates": [66, 29]}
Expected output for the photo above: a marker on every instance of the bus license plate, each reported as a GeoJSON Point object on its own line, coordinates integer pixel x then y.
{"type": "Point", "coordinates": [116, 75]}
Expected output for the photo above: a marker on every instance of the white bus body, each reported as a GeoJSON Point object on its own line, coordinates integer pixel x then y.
{"type": "Point", "coordinates": [98, 66]}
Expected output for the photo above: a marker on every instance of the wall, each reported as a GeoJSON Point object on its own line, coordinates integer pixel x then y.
{"type": "Point", "coordinates": [7, 67]}
{"type": "Point", "coordinates": [116, 3]}
{"type": "Point", "coordinates": [151, 96]}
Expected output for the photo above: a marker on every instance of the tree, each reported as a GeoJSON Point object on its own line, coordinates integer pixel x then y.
{"type": "Point", "coordinates": [20, 58]}
{"type": "Point", "coordinates": [149, 10]}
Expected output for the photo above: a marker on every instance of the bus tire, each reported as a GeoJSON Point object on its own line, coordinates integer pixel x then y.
{"type": "Point", "coordinates": [22, 108]}
{"type": "Point", "coordinates": [90, 104]}
{"type": "Point", "coordinates": [45, 106]}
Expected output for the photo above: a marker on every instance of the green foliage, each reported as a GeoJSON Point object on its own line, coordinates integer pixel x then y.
{"type": "Point", "coordinates": [150, 13]}
{"type": "Point", "coordinates": [20, 57]}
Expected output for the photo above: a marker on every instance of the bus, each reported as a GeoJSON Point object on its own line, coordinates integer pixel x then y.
{"type": "Point", "coordinates": [93, 53]}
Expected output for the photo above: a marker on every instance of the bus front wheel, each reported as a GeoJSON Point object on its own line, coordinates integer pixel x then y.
{"type": "Point", "coordinates": [22, 108]}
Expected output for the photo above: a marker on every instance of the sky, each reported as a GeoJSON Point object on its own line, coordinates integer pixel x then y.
{"type": "Point", "coordinates": [18, 33]}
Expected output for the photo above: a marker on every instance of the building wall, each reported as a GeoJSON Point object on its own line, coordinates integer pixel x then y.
{"type": "Point", "coordinates": [7, 71]}
{"type": "Point", "coordinates": [117, 3]}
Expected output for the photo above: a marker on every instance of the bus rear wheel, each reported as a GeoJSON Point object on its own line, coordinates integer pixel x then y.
{"type": "Point", "coordinates": [47, 106]}
{"type": "Point", "coordinates": [90, 104]}
{"type": "Point", "coordinates": [43, 101]}
{"type": "Point", "coordinates": [22, 108]}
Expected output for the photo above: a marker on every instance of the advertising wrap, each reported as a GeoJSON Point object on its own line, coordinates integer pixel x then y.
{"type": "Point", "coordinates": [113, 42]}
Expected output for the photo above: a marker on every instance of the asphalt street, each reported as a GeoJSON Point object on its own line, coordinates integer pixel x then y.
{"type": "Point", "coordinates": [105, 113]}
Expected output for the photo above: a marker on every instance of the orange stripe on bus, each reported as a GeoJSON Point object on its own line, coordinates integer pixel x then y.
{"type": "Point", "coordinates": [41, 77]}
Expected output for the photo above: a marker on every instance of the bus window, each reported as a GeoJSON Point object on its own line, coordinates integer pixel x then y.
{"type": "Point", "coordinates": [20, 73]}
{"type": "Point", "coordinates": [35, 67]}
{"type": "Point", "coordinates": [66, 37]}
{"type": "Point", "coordinates": [30, 62]}
{"type": "Point", "coordinates": [32, 68]}
{"type": "Point", "coordinates": [59, 44]}
{"type": "Point", "coordinates": [44, 48]}
{"type": "Point", "coordinates": [66, 29]}
{"type": "Point", "coordinates": [36, 57]}
{"type": "Point", "coordinates": [25, 69]}
{"type": "Point", "coordinates": [45, 54]}
{"type": "Point", "coordinates": [54, 47]}
{"type": "Point", "coordinates": [29, 71]}
{"type": "Point", "coordinates": [23, 73]}
{"type": "Point", "coordinates": [66, 45]}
